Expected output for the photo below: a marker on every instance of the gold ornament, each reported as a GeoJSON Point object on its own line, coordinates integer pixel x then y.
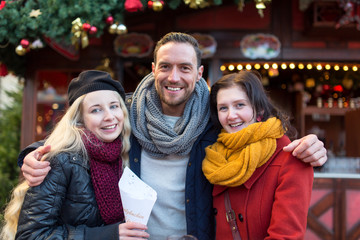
{"type": "Point", "coordinates": [20, 50]}
{"type": "Point", "coordinates": [113, 28]}
{"type": "Point", "coordinates": [35, 13]}
{"type": "Point", "coordinates": [157, 6]}
{"type": "Point", "coordinates": [84, 40]}
{"type": "Point", "coordinates": [196, 3]}
{"type": "Point", "coordinates": [121, 29]}
{"type": "Point", "coordinates": [79, 34]}
{"type": "Point", "coordinates": [260, 6]}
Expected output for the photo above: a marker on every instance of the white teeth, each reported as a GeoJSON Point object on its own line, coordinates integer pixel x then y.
{"type": "Point", "coordinates": [235, 125]}
{"type": "Point", "coordinates": [173, 89]}
{"type": "Point", "coordinates": [110, 127]}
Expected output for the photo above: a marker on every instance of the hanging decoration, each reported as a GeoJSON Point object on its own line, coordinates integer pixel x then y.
{"type": "Point", "coordinates": [133, 5]}
{"type": "Point", "coordinates": [352, 14]}
{"type": "Point", "coordinates": [261, 5]}
{"type": "Point", "coordinates": [2, 4]}
{"type": "Point", "coordinates": [117, 29]}
{"type": "Point", "coordinates": [109, 20]}
{"type": "Point", "coordinates": [23, 47]}
{"type": "Point", "coordinates": [35, 19]}
{"type": "Point", "coordinates": [79, 31]}
{"type": "Point", "coordinates": [195, 4]}
{"type": "Point", "coordinates": [156, 5]}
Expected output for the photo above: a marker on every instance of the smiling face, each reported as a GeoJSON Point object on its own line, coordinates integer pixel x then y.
{"type": "Point", "coordinates": [102, 114]}
{"type": "Point", "coordinates": [234, 109]}
{"type": "Point", "coordinates": [176, 74]}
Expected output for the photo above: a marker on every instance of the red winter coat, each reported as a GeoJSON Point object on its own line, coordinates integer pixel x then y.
{"type": "Point", "coordinates": [272, 204]}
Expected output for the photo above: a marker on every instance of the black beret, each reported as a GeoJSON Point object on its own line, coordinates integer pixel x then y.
{"type": "Point", "coordinates": [91, 81]}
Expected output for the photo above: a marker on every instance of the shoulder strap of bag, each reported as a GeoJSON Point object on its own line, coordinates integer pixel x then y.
{"type": "Point", "coordinates": [231, 217]}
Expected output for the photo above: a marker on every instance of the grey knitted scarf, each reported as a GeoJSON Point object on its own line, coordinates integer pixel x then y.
{"type": "Point", "coordinates": [150, 128]}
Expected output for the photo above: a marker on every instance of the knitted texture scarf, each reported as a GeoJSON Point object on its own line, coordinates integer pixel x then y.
{"type": "Point", "coordinates": [150, 128]}
{"type": "Point", "coordinates": [233, 159]}
{"type": "Point", "coordinates": [106, 169]}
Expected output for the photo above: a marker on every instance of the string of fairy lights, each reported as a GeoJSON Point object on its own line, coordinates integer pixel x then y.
{"type": "Point", "coordinates": [290, 65]}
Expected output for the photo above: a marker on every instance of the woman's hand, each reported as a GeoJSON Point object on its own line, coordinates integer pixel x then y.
{"type": "Point", "coordinates": [133, 231]}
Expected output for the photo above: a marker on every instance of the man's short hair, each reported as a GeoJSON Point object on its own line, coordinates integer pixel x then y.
{"type": "Point", "coordinates": [179, 38]}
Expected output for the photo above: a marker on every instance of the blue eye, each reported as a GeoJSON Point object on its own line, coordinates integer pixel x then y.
{"type": "Point", "coordinates": [240, 105]}
{"type": "Point", "coordinates": [186, 68]}
{"type": "Point", "coordinates": [222, 109]}
{"type": "Point", "coordinates": [95, 110]}
{"type": "Point", "coordinates": [164, 67]}
{"type": "Point", "coordinates": [114, 106]}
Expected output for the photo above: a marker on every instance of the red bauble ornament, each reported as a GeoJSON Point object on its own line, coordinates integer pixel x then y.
{"type": "Point", "coordinates": [109, 20]}
{"type": "Point", "coordinates": [133, 5]}
{"type": "Point", "coordinates": [24, 43]}
{"type": "Point", "coordinates": [93, 30]}
{"type": "Point", "coordinates": [150, 4]}
{"type": "Point", "coordinates": [86, 27]}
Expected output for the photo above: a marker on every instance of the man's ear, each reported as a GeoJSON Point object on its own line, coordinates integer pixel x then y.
{"type": "Point", "coordinates": [153, 67]}
{"type": "Point", "coordinates": [200, 72]}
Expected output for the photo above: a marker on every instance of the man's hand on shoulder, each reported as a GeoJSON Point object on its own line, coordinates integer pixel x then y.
{"type": "Point", "coordinates": [34, 170]}
{"type": "Point", "coordinates": [308, 149]}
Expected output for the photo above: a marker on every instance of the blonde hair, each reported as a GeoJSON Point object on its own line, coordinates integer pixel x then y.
{"type": "Point", "coordinates": [66, 137]}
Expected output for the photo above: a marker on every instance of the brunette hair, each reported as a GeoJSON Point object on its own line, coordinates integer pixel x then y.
{"type": "Point", "coordinates": [250, 82]}
{"type": "Point", "coordinates": [179, 37]}
{"type": "Point", "coordinates": [66, 137]}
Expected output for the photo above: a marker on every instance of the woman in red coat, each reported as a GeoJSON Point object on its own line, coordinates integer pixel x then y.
{"type": "Point", "coordinates": [260, 191]}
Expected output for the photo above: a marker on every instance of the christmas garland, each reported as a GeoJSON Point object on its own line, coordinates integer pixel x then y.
{"type": "Point", "coordinates": [24, 24]}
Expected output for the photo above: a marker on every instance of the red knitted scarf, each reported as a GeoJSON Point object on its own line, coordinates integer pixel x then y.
{"type": "Point", "coordinates": [106, 169]}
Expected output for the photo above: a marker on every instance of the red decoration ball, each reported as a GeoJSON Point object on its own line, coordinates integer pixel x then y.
{"type": "Point", "coordinates": [86, 27]}
{"type": "Point", "coordinates": [109, 20]}
{"type": "Point", "coordinates": [24, 43]}
{"type": "Point", "coordinates": [150, 4]}
{"type": "Point", "coordinates": [93, 30]}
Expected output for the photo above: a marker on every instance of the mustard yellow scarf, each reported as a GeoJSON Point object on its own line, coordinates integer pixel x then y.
{"type": "Point", "coordinates": [234, 157]}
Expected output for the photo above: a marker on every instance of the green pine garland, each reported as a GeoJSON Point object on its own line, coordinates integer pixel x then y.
{"type": "Point", "coordinates": [56, 19]}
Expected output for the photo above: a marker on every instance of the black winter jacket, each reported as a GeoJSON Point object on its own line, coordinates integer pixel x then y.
{"type": "Point", "coordinates": [64, 205]}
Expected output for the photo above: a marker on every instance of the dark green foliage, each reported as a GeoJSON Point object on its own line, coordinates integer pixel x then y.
{"type": "Point", "coordinates": [10, 131]}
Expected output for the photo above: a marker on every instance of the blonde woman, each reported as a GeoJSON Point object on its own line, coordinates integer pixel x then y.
{"type": "Point", "coordinates": [79, 198]}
